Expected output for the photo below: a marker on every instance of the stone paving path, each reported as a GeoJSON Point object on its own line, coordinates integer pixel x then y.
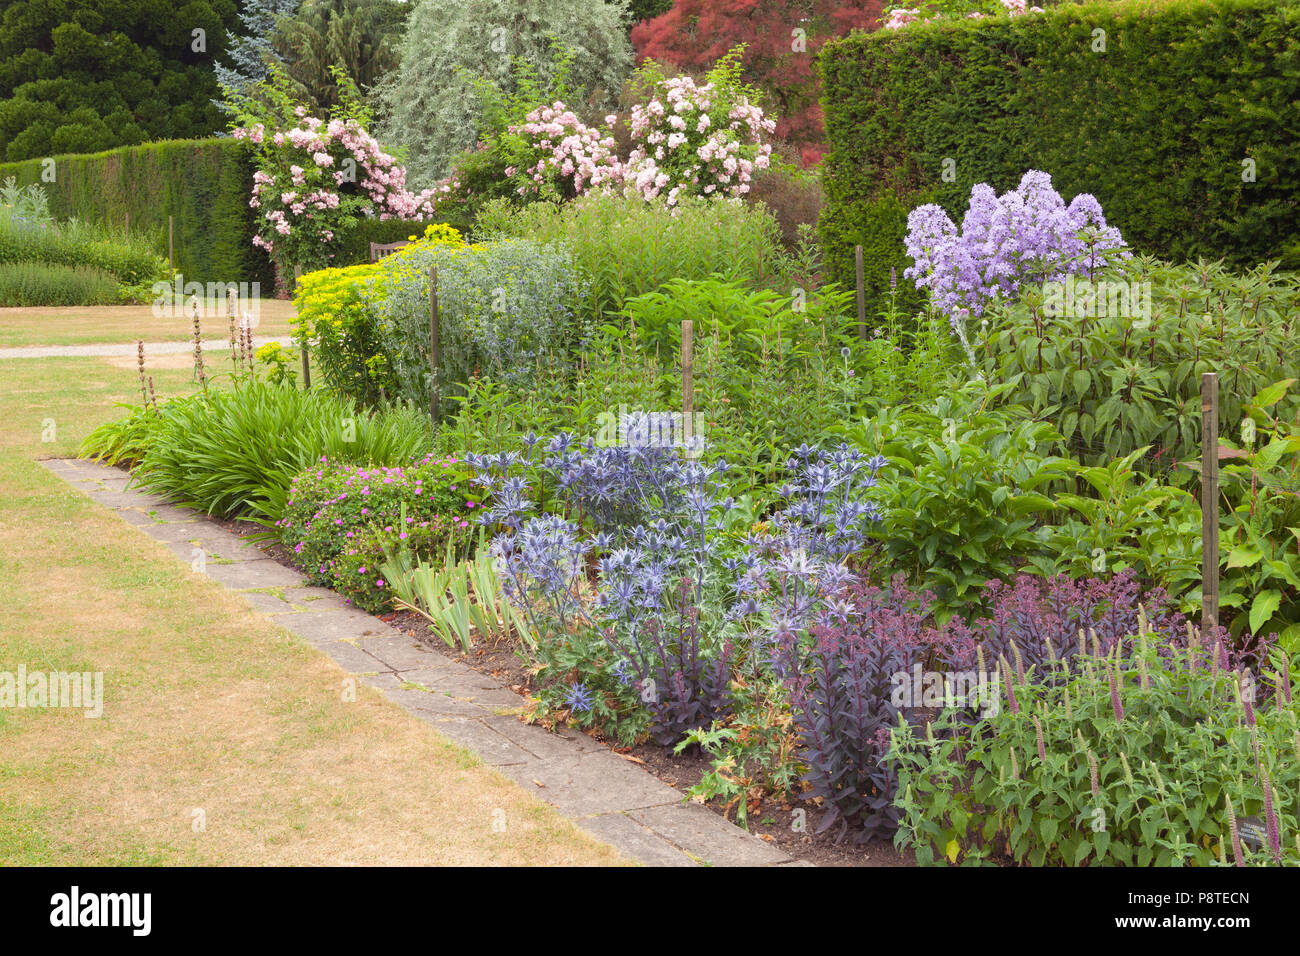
{"type": "Point", "coordinates": [118, 351]}
{"type": "Point", "coordinates": [611, 798]}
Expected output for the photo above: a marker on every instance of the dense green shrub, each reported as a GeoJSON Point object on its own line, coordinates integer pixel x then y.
{"type": "Point", "coordinates": [1180, 128]}
{"type": "Point", "coordinates": [203, 184]}
{"type": "Point", "coordinates": [35, 284]}
{"type": "Point", "coordinates": [968, 485]}
{"type": "Point", "coordinates": [1114, 378]}
{"type": "Point", "coordinates": [625, 247]}
{"type": "Point", "coordinates": [340, 519]}
{"type": "Point", "coordinates": [234, 452]}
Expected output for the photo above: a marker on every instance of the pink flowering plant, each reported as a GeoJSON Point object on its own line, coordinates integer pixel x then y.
{"type": "Point", "coordinates": [560, 156]}
{"type": "Point", "coordinates": [315, 178]}
{"type": "Point", "coordinates": [339, 520]}
{"type": "Point", "coordinates": [897, 16]}
{"type": "Point", "coordinates": [693, 139]}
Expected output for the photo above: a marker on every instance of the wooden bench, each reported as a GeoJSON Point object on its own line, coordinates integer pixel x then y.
{"type": "Point", "coordinates": [380, 249]}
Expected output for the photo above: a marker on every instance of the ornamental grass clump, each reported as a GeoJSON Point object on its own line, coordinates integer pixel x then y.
{"type": "Point", "coordinates": [234, 452]}
{"type": "Point", "coordinates": [1151, 753]}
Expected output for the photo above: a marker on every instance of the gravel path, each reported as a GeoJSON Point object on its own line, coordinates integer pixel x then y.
{"type": "Point", "coordinates": [114, 351]}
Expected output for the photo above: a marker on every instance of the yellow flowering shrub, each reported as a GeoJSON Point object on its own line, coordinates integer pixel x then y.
{"type": "Point", "coordinates": [335, 317]}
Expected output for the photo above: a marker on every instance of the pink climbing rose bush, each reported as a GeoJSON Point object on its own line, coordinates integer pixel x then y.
{"type": "Point", "coordinates": [696, 139]}
{"type": "Point", "coordinates": [316, 178]}
{"type": "Point", "coordinates": [564, 156]}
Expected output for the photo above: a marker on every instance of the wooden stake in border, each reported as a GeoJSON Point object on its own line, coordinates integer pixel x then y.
{"type": "Point", "coordinates": [171, 261]}
{"type": "Point", "coordinates": [435, 403]}
{"type": "Point", "coordinates": [1209, 500]}
{"type": "Point", "coordinates": [128, 227]}
{"type": "Point", "coordinates": [862, 292]}
{"type": "Point", "coordinates": [688, 381]}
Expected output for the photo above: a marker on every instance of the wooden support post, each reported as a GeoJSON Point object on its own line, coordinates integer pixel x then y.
{"type": "Point", "coordinates": [128, 227]}
{"type": "Point", "coordinates": [435, 404]}
{"type": "Point", "coordinates": [688, 381]}
{"type": "Point", "coordinates": [306, 367]}
{"type": "Point", "coordinates": [171, 260]}
{"type": "Point", "coordinates": [1209, 501]}
{"type": "Point", "coordinates": [862, 293]}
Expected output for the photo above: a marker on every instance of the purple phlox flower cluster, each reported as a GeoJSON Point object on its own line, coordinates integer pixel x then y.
{"type": "Point", "coordinates": [1028, 234]}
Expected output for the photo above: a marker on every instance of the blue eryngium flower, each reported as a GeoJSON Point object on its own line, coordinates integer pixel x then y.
{"type": "Point", "coordinates": [579, 699]}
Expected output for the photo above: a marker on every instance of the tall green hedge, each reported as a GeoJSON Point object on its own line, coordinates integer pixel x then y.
{"type": "Point", "coordinates": [1157, 126]}
{"type": "Point", "coordinates": [203, 184]}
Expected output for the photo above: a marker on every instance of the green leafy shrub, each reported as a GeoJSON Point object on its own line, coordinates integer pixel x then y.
{"type": "Point", "coordinates": [235, 452]}
{"type": "Point", "coordinates": [625, 247]}
{"type": "Point", "coordinates": [339, 520]}
{"type": "Point", "coordinates": [1128, 520]}
{"type": "Point", "coordinates": [923, 113]}
{"type": "Point", "coordinates": [968, 485]}
{"type": "Point", "coordinates": [1260, 527]}
{"type": "Point", "coordinates": [35, 284]}
{"type": "Point", "coordinates": [1113, 378]}
{"type": "Point", "coordinates": [746, 319]}
{"type": "Point", "coordinates": [1158, 757]}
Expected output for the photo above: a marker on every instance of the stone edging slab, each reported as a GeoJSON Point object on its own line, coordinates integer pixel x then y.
{"type": "Point", "coordinates": [611, 798]}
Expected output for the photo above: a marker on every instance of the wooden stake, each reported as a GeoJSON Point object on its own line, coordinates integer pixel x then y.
{"type": "Point", "coordinates": [128, 227]}
{"type": "Point", "coordinates": [688, 380]}
{"type": "Point", "coordinates": [435, 404]}
{"type": "Point", "coordinates": [862, 292]}
{"type": "Point", "coordinates": [1209, 501]}
{"type": "Point", "coordinates": [306, 366]}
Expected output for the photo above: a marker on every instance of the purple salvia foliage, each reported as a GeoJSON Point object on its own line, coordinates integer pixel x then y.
{"type": "Point", "coordinates": [842, 688]}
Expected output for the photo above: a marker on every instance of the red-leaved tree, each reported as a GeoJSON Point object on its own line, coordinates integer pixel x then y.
{"type": "Point", "coordinates": [782, 38]}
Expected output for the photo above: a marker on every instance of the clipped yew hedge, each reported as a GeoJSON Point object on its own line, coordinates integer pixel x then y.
{"type": "Point", "coordinates": [203, 184]}
{"type": "Point", "coordinates": [1165, 111]}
